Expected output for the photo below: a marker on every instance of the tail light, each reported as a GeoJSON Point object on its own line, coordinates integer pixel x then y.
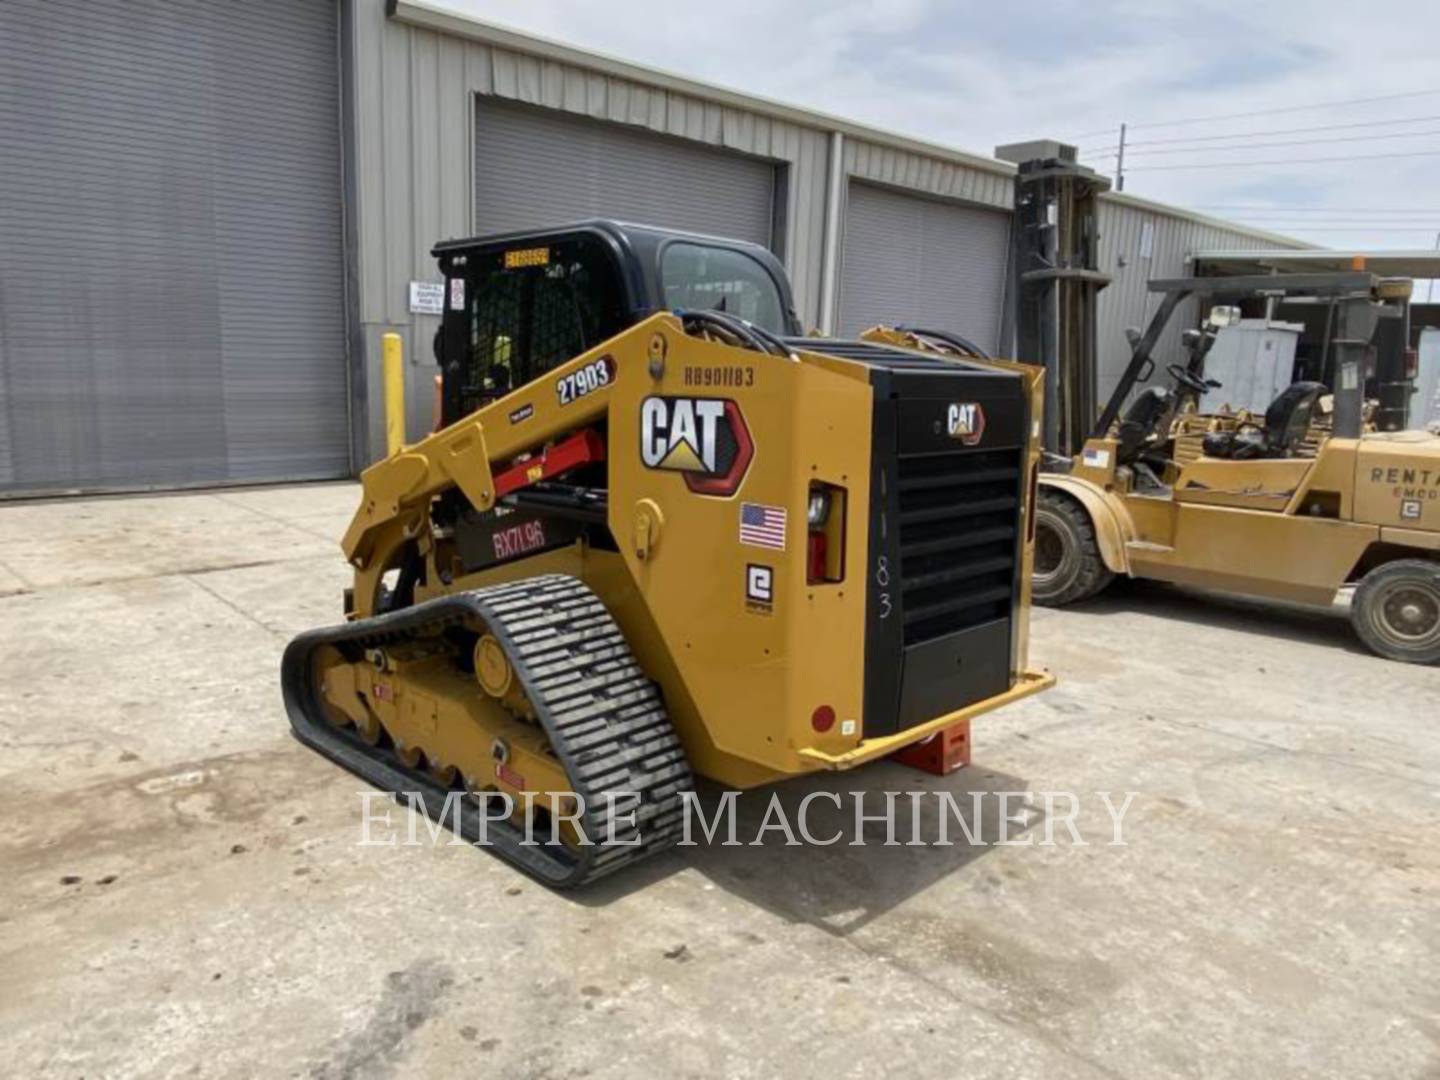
{"type": "Point", "coordinates": [815, 551]}
{"type": "Point", "coordinates": [1412, 363]}
{"type": "Point", "coordinates": [825, 538]}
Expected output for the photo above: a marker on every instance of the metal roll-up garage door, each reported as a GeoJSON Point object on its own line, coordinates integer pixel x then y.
{"type": "Point", "coordinates": [922, 262]}
{"type": "Point", "coordinates": [171, 276]}
{"type": "Point", "coordinates": [537, 167]}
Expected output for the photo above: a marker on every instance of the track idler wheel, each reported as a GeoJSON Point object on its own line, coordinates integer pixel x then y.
{"type": "Point", "coordinates": [496, 676]}
{"type": "Point", "coordinates": [492, 666]}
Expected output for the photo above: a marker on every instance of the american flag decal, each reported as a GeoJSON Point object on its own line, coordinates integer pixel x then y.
{"type": "Point", "coordinates": [762, 526]}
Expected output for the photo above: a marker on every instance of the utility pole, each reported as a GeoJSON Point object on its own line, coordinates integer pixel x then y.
{"type": "Point", "coordinates": [1430, 292]}
{"type": "Point", "coordinates": [1120, 163]}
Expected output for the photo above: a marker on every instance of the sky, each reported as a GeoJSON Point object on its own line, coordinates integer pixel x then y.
{"type": "Point", "coordinates": [976, 75]}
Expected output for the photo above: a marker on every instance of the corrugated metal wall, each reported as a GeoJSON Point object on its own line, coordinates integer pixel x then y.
{"type": "Point", "coordinates": [413, 119]}
{"type": "Point", "coordinates": [906, 169]}
{"type": "Point", "coordinates": [171, 264]}
{"type": "Point", "coordinates": [922, 261]}
{"type": "Point", "coordinates": [414, 123]}
{"type": "Point", "coordinates": [413, 135]}
{"type": "Point", "coordinates": [539, 167]}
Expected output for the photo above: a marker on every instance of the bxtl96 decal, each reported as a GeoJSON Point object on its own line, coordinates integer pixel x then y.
{"type": "Point", "coordinates": [586, 380]}
{"type": "Point", "coordinates": [518, 539]}
{"type": "Point", "coordinates": [704, 438]}
{"type": "Point", "coordinates": [966, 421]}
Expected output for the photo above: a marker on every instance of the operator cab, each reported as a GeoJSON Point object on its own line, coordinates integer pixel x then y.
{"type": "Point", "coordinates": [518, 304]}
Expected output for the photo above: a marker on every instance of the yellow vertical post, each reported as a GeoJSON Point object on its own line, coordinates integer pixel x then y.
{"type": "Point", "coordinates": [392, 365]}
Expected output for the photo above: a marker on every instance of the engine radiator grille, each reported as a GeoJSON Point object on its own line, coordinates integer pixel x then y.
{"type": "Point", "coordinates": [959, 512]}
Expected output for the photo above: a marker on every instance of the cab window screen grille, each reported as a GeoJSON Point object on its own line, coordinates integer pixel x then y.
{"type": "Point", "coordinates": [524, 321]}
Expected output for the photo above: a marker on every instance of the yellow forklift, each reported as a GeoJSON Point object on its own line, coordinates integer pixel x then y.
{"type": "Point", "coordinates": [1285, 508]}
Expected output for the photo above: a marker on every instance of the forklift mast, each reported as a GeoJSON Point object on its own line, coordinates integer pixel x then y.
{"type": "Point", "coordinates": [1056, 279]}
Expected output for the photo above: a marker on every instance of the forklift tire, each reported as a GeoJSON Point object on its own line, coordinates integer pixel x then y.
{"type": "Point", "coordinates": [1396, 611]}
{"type": "Point", "coordinates": [1068, 566]}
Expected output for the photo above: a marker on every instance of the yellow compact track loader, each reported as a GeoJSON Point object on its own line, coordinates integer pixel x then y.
{"type": "Point", "coordinates": [659, 531]}
{"type": "Point", "coordinates": [1282, 509]}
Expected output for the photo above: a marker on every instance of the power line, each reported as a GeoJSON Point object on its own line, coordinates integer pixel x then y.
{"type": "Point", "coordinates": [1426, 229]}
{"type": "Point", "coordinates": [1322, 222]}
{"type": "Point", "coordinates": [1331, 219]}
{"type": "Point", "coordinates": [1289, 142]}
{"type": "Point", "coordinates": [1429, 223]}
{"type": "Point", "coordinates": [1091, 134]}
{"type": "Point", "coordinates": [1262, 112]}
{"type": "Point", "coordinates": [1287, 109]}
{"type": "Point", "coordinates": [1319, 209]}
{"type": "Point", "coordinates": [1328, 211]}
{"type": "Point", "coordinates": [1382, 223]}
{"type": "Point", "coordinates": [1291, 161]}
{"type": "Point", "coordinates": [1342, 226]}
{"type": "Point", "coordinates": [1281, 131]}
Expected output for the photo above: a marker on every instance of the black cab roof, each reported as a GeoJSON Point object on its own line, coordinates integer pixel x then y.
{"type": "Point", "coordinates": [637, 251]}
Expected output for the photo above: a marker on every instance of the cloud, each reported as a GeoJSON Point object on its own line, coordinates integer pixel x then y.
{"type": "Point", "coordinates": [975, 75]}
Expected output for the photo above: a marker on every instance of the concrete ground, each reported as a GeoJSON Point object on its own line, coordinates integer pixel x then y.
{"type": "Point", "coordinates": [181, 889]}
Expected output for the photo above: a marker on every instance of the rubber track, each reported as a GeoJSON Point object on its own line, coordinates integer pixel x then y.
{"type": "Point", "coordinates": [604, 718]}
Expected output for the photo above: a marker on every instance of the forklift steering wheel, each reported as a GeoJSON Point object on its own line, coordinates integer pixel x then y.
{"type": "Point", "coordinates": [1189, 381]}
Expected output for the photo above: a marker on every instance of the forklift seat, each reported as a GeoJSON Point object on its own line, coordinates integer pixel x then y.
{"type": "Point", "coordinates": [1286, 421]}
{"type": "Point", "coordinates": [1142, 423]}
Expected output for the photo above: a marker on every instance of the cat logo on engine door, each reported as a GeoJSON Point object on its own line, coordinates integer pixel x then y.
{"type": "Point", "coordinates": [966, 421]}
{"type": "Point", "coordinates": [704, 438]}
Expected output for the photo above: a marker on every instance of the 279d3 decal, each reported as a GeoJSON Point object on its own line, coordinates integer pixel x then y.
{"type": "Point", "coordinates": [585, 381]}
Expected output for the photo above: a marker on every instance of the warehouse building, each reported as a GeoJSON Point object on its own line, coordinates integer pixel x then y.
{"type": "Point", "coordinates": [212, 211]}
